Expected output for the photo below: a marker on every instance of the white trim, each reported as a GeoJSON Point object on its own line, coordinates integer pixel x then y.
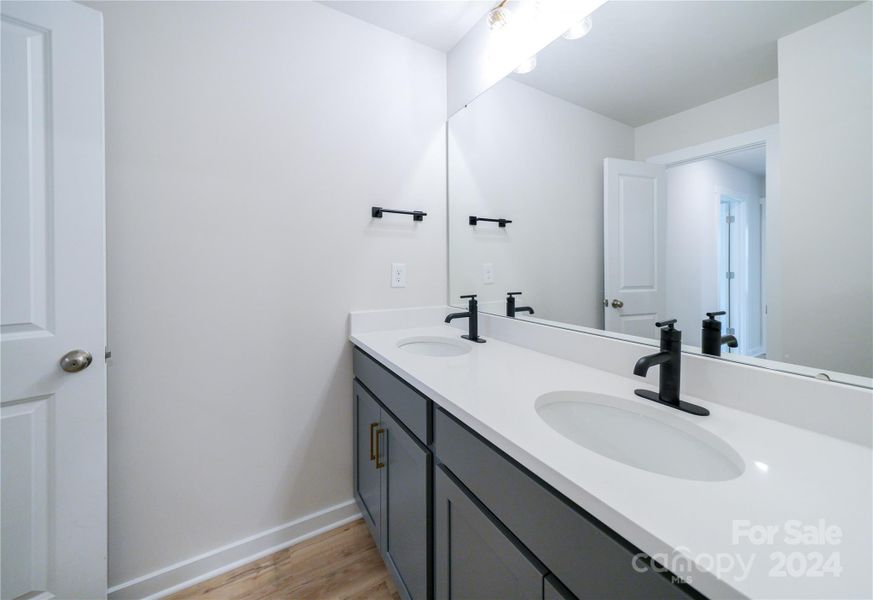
{"type": "Point", "coordinates": [731, 143]}
{"type": "Point", "coordinates": [199, 568]}
{"type": "Point", "coordinates": [762, 215]}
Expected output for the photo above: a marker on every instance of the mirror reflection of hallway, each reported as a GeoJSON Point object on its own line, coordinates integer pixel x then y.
{"type": "Point", "coordinates": [715, 242]}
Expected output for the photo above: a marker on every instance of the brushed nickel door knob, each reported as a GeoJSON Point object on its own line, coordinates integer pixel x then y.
{"type": "Point", "coordinates": [617, 303]}
{"type": "Point", "coordinates": [75, 361]}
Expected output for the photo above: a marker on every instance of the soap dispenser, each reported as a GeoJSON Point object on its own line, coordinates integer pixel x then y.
{"type": "Point", "coordinates": [711, 339]}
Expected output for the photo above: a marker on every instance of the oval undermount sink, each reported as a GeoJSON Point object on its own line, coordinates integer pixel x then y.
{"type": "Point", "coordinates": [640, 436]}
{"type": "Point", "coordinates": [433, 346]}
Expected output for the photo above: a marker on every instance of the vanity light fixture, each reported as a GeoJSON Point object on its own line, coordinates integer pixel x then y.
{"type": "Point", "coordinates": [578, 30]}
{"type": "Point", "coordinates": [498, 17]}
{"type": "Point", "coordinates": [527, 66]}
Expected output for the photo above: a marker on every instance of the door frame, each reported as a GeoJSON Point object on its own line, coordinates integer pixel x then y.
{"type": "Point", "coordinates": [739, 291]}
{"type": "Point", "coordinates": [771, 259]}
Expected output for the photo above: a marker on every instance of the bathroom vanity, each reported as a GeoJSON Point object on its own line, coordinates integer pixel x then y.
{"type": "Point", "coordinates": [473, 486]}
{"type": "Point", "coordinates": [452, 513]}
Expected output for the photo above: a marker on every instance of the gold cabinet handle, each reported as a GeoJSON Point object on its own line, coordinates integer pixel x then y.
{"type": "Point", "coordinates": [372, 427]}
{"type": "Point", "coordinates": [379, 463]}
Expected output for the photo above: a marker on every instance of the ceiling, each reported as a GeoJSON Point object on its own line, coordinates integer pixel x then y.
{"type": "Point", "coordinates": [643, 61]}
{"type": "Point", "coordinates": [439, 24]}
{"type": "Point", "coordinates": [752, 160]}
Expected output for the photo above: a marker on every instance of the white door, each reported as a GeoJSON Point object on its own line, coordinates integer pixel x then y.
{"type": "Point", "coordinates": [52, 301]}
{"type": "Point", "coordinates": [634, 229]}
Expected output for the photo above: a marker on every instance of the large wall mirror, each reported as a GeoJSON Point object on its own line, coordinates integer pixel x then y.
{"type": "Point", "coordinates": [679, 159]}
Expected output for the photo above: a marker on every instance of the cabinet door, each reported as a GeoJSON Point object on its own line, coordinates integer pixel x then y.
{"type": "Point", "coordinates": [592, 561]}
{"type": "Point", "coordinates": [476, 557]}
{"type": "Point", "coordinates": [368, 492]}
{"type": "Point", "coordinates": [406, 543]}
{"type": "Point", "coordinates": [555, 590]}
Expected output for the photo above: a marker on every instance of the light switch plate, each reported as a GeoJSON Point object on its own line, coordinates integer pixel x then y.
{"type": "Point", "coordinates": [398, 275]}
{"type": "Point", "coordinates": [487, 273]}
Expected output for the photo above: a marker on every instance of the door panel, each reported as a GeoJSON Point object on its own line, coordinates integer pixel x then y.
{"type": "Point", "coordinates": [367, 476]}
{"type": "Point", "coordinates": [26, 233]}
{"type": "Point", "coordinates": [52, 300]}
{"type": "Point", "coordinates": [475, 558]}
{"type": "Point", "coordinates": [25, 464]}
{"type": "Point", "coordinates": [634, 213]}
{"type": "Point", "coordinates": [405, 483]}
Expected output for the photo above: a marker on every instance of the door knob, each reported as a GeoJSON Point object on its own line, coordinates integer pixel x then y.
{"type": "Point", "coordinates": [617, 303]}
{"type": "Point", "coordinates": [75, 361]}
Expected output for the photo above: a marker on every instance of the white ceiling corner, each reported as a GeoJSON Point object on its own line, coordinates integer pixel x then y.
{"type": "Point", "coordinates": [439, 24]}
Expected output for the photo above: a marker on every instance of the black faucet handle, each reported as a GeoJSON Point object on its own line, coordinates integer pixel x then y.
{"type": "Point", "coordinates": [469, 296]}
{"type": "Point", "coordinates": [513, 293]}
{"type": "Point", "coordinates": [713, 315]}
{"type": "Point", "coordinates": [669, 324]}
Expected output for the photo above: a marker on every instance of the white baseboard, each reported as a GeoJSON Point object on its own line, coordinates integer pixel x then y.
{"type": "Point", "coordinates": [225, 558]}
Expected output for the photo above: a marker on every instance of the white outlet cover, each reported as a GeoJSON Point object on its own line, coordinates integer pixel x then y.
{"type": "Point", "coordinates": [487, 273]}
{"type": "Point", "coordinates": [398, 275]}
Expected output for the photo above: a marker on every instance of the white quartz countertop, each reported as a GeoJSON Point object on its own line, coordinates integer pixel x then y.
{"type": "Point", "coordinates": [734, 534]}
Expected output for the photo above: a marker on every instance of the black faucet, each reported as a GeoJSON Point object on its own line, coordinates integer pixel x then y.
{"type": "Point", "coordinates": [670, 359]}
{"type": "Point", "coordinates": [511, 309]}
{"type": "Point", "coordinates": [473, 314]}
{"type": "Point", "coordinates": [711, 339]}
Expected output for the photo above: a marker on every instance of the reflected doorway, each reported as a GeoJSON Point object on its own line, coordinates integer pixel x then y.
{"type": "Point", "coordinates": [702, 250]}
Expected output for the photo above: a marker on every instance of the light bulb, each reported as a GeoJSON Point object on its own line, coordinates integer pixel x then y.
{"type": "Point", "coordinates": [527, 66]}
{"type": "Point", "coordinates": [498, 18]}
{"type": "Point", "coordinates": [578, 30]}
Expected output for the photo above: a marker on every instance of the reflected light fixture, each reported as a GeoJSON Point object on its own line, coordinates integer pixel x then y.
{"type": "Point", "coordinates": [527, 66]}
{"type": "Point", "coordinates": [578, 30]}
{"type": "Point", "coordinates": [498, 17]}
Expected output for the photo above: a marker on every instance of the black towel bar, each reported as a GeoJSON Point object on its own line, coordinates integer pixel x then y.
{"type": "Point", "coordinates": [417, 215]}
{"type": "Point", "coordinates": [500, 222]}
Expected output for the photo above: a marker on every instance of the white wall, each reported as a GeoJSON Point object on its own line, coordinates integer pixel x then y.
{"type": "Point", "coordinates": [246, 143]}
{"type": "Point", "coordinates": [692, 238]}
{"type": "Point", "coordinates": [521, 154]}
{"type": "Point", "coordinates": [825, 107]}
{"type": "Point", "coordinates": [752, 108]}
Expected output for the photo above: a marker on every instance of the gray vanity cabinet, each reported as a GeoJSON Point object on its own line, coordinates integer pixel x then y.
{"type": "Point", "coordinates": [393, 475]}
{"type": "Point", "coordinates": [555, 590]}
{"type": "Point", "coordinates": [476, 557]}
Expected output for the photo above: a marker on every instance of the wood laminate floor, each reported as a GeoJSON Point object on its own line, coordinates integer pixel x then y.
{"type": "Point", "coordinates": [342, 563]}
